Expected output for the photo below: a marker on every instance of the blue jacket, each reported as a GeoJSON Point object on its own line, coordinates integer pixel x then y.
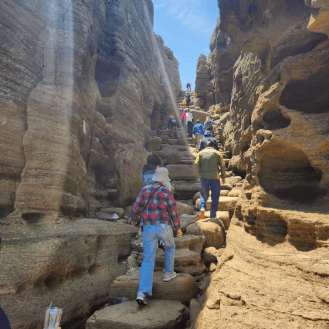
{"type": "Point", "coordinates": [198, 129]}
{"type": "Point", "coordinates": [203, 143]}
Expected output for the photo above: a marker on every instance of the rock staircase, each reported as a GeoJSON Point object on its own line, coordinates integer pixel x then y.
{"type": "Point", "coordinates": [197, 252]}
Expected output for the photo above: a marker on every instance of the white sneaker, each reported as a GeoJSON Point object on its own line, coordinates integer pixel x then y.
{"type": "Point", "coordinates": [141, 298]}
{"type": "Point", "coordinates": [169, 276]}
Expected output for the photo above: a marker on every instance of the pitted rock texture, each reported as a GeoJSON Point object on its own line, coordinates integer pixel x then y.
{"type": "Point", "coordinates": [78, 81]}
{"type": "Point", "coordinates": [276, 135]}
{"type": "Point", "coordinates": [70, 264]}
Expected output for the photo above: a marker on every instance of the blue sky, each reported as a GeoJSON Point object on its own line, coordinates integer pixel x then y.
{"type": "Point", "coordinates": [186, 27]}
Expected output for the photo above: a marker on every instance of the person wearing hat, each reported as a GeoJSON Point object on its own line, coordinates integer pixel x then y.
{"type": "Point", "coordinates": [158, 211]}
{"type": "Point", "coordinates": [207, 136]}
{"type": "Point", "coordinates": [198, 131]}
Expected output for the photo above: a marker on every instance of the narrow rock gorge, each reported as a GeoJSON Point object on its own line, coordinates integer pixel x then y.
{"type": "Point", "coordinates": [86, 88]}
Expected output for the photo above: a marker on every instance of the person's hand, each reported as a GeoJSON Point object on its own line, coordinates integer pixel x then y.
{"type": "Point", "coordinates": [223, 181]}
{"type": "Point", "coordinates": [179, 233]}
{"type": "Point", "coordinates": [133, 224]}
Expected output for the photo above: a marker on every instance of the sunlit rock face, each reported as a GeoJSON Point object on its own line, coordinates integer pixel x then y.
{"type": "Point", "coordinates": [80, 80]}
{"type": "Point", "coordinates": [277, 133]}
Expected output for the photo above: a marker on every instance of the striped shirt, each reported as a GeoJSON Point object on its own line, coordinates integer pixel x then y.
{"type": "Point", "coordinates": [161, 208]}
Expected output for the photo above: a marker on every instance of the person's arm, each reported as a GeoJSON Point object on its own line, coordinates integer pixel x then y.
{"type": "Point", "coordinates": [136, 208]}
{"type": "Point", "coordinates": [202, 129]}
{"type": "Point", "coordinates": [197, 165]}
{"type": "Point", "coordinates": [168, 124]}
{"type": "Point", "coordinates": [222, 166]}
{"type": "Point", "coordinates": [173, 211]}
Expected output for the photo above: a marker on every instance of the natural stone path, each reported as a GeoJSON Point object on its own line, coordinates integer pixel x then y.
{"type": "Point", "coordinates": [196, 253]}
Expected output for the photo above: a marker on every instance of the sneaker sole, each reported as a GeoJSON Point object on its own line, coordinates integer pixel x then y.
{"type": "Point", "coordinates": [141, 302]}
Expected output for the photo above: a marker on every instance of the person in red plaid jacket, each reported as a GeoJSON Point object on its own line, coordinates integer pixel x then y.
{"type": "Point", "coordinates": [158, 210]}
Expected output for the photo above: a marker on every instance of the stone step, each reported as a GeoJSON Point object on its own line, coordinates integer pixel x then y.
{"type": "Point", "coordinates": [191, 242]}
{"type": "Point", "coordinates": [235, 192]}
{"type": "Point", "coordinates": [185, 190]}
{"type": "Point", "coordinates": [211, 229]}
{"type": "Point", "coordinates": [181, 172]}
{"type": "Point", "coordinates": [188, 162]}
{"type": "Point", "coordinates": [182, 288]}
{"type": "Point", "coordinates": [224, 203]}
{"type": "Point", "coordinates": [158, 314]}
{"type": "Point", "coordinates": [183, 257]}
{"type": "Point", "coordinates": [224, 216]}
{"type": "Point", "coordinates": [181, 142]}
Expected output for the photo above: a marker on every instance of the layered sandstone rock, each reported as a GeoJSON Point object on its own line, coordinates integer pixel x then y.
{"type": "Point", "coordinates": [277, 134]}
{"type": "Point", "coordinates": [79, 81]}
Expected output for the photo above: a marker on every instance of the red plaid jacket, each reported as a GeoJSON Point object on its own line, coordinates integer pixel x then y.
{"type": "Point", "coordinates": [161, 208]}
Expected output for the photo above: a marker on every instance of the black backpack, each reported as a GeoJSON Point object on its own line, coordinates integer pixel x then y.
{"type": "Point", "coordinates": [173, 122]}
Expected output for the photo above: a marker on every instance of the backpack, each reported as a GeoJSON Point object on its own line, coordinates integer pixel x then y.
{"type": "Point", "coordinates": [208, 125]}
{"type": "Point", "coordinates": [173, 122]}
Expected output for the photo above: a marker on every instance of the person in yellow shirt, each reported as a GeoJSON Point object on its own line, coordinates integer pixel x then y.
{"type": "Point", "coordinates": [208, 164]}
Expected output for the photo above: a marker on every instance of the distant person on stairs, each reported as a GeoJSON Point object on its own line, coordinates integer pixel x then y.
{"type": "Point", "coordinates": [208, 164]}
{"type": "Point", "coordinates": [188, 86]}
{"type": "Point", "coordinates": [172, 124]}
{"type": "Point", "coordinates": [158, 212]}
{"type": "Point", "coordinates": [183, 120]}
{"type": "Point", "coordinates": [198, 131]}
{"type": "Point", "coordinates": [189, 119]}
{"type": "Point", "coordinates": [207, 136]}
{"type": "Point", "coordinates": [188, 99]}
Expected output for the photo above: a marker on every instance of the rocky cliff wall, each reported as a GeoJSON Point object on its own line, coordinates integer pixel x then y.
{"type": "Point", "coordinates": [273, 272]}
{"type": "Point", "coordinates": [82, 83]}
{"type": "Point", "coordinates": [79, 80]}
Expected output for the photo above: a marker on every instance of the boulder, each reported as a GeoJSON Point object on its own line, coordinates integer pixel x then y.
{"type": "Point", "coordinates": [158, 314]}
{"type": "Point", "coordinates": [178, 172]}
{"type": "Point", "coordinates": [185, 190]}
{"type": "Point", "coordinates": [182, 288]}
{"type": "Point", "coordinates": [235, 192]}
{"type": "Point", "coordinates": [129, 161]}
{"type": "Point", "coordinates": [199, 115]}
{"type": "Point", "coordinates": [184, 208]}
{"type": "Point", "coordinates": [186, 220]}
{"type": "Point", "coordinates": [213, 232]}
{"type": "Point", "coordinates": [154, 144]}
{"type": "Point", "coordinates": [72, 262]}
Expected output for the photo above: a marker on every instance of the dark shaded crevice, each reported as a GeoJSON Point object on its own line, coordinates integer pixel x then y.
{"type": "Point", "coordinates": [308, 43]}
{"type": "Point", "coordinates": [310, 96]}
{"type": "Point", "coordinates": [33, 217]}
{"type": "Point", "coordinates": [287, 173]}
{"type": "Point", "coordinates": [275, 120]}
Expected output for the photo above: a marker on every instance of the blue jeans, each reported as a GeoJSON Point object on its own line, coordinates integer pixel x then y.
{"type": "Point", "coordinates": [151, 235]}
{"type": "Point", "coordinates": [214, 186]}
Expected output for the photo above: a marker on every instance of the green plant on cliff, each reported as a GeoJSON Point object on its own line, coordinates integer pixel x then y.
{"type": "Point", "coordinates": [209, 64]}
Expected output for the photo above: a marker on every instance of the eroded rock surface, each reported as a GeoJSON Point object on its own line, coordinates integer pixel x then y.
{"type": "Point", "coordinates": [276, 134]}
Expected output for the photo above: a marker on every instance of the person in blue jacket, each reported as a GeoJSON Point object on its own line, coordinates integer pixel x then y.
{"type": "Point", "coordinates": [198, 131]}
{"type": "Point", "coordinates": [207, 136]}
